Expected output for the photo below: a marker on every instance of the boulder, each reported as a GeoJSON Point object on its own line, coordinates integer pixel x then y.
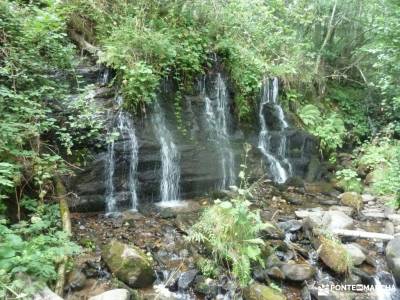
{"type": "Point", "coordinates": [368, 198]}
{"type": "Point", "coordinates": [335, 219]}
{"type": "Point", "coordinates": [334, 255]}
{"type": "Point", "coordinates": [298, 272]}
{"type": "Point", "coordinates": [258, 291]}
{"type": "Point", "coordinates": [46, 294]}
{"type": "Point", "coordinates": [75, 280]}
{"type": "Point", "coordinates": [346, 209]}
{"type": "Point", "coordinates": [352, 199]}
{"type": "Point", "coordinates": [205, 286]}
{"type": "Point", "coordinates": [276, 272]}
{"type": "Point", "coordinates": [356, 254]}
{"type": "Point", "coordinates": [392, 253]}
{"type": "Point", "coordinates": [186, 279]}
{"type": "Point", "coordinates": [116, 294]}
{"type": "Point", "coordinates": [129, 264]}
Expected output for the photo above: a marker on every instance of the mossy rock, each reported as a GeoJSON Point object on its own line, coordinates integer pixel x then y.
{"type": "Point", "coordinates": [334, 255]}
{"type": "Point", "coordinates": [129, 264]}
{"type": "Point", "coordinates": [258, 291]}
{"type": "Point", "coordinates": [352, 199]}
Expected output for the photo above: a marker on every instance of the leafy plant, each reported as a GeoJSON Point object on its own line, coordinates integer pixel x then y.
{"type": "Point", "coordinates": [348, 179]}
{"type": "Point", "coordinates": [33, 248]}
{"type": "Point", "coordinates": [230, 230]}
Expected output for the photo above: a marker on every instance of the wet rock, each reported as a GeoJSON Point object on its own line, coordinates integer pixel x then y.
{"type": "Point", "coordinates": [186, 279]}
{"type": "Point", "coordinates": [346, 209]}
{"type": "Point", "coordinates": [46, 294]}
{"type": "Point", "coordinates": [258, 291]}
{"type": "Point", "coordinates": [318, 187]}
{"type": "Point", "coordinates": [356, 254]}
{"type": "Point", "coordinates": [389, 228]}
{"type": "Point", "coordinates": [117, 294]}
{"type": "Point", "coordinates": [298, 272]}
{"type": "Point", "coordinates": [205, 286]}
{"type": "Point", "coordinates": [290, 226]}
{"type": "Point", "coordinates": [334, 255]}
{"type": "Point", "coordinates": [129, 264]}
{"type": "Point", "coordinates": [392, 253]}
{"type": "Point", "coordinates": [367, 198]}
{"type": "Point", "coordinates": [75, 280]}
{"type": "Point", "coordinates": [260, 274]}
{"type": "Point", "coordinates": [352, 199]}
{"type": "Point", "coordinates": [276, 272]}
{"type": "Point", "coordinates": [184, 221]}
{"type": "Point", "coordinates": [313, 169]}
{"type": "Point", "coordinates": [336, 220]}
{"type": "Point", "coordinates": [273, 232]}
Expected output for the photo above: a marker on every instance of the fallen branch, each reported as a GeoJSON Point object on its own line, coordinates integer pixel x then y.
{"type": "Point", "coordinates": [363, 234]}
{"type": "Point", "coordinates": [61, 194]}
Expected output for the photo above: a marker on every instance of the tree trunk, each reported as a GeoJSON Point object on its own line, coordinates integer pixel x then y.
{"type": "Point", "coordinates": [66, 225]}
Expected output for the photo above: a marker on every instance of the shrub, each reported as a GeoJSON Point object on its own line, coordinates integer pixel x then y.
{"type": "Point", "coordinates": [349, 181]}
{"type": "Point", "coordinates": [231, 232]}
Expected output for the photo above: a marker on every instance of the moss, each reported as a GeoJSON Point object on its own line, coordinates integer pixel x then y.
{"type": "Point", "coordinates": [334, 255]}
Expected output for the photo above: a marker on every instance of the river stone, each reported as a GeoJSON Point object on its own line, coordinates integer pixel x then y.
{"type": "Point", "coordinates": [205, 286]}
{"type": "Point", "coordinates": [352, 199]}
{"type": "Point", "coordinates": [186, 279]}
{"type": "Point", "coordinates": [336, 220]}
{"type": "Point", "coordinates": [129, 264]}
{"type": "Point", "coordinates": [334, 255]}
{"type": "Point", "coordinates": [298, 272]}
{"type": "Point", "coordinates": [368, 198]}
{"type": "Point", "coordinates": [116, 294]}
{"type": "Point", "coordinates": [276, 272]}
{"type": "Point", "coordinates": [346, 209]}
{"type": "Point", "coordinates": [75, 280]}
{"type": "Point", "coordinates": [393, 257]}
{"type": "Point", "coordinates": [46, 294]}
{"type": "Point", "coordinates": [357, 256]}
{"type": "Point", "coordinates": [291, 225]}
{"type": "Point", "coordinates": [258, 291]}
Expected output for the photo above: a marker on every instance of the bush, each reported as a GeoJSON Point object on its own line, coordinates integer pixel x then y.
{"type": "Point", "coordinates": [349, 181]}
{"type": "Point", "coordinates": [382, 157]}
{"type": "Point", "coordinates": [34, 248]}
{"type": "Point", "coordinates": [231, 232]}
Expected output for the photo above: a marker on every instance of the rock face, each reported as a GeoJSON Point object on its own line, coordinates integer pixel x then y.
{"type": "Point", "coordinates": [258, 291]}
{"type": "Point", "coordinates": [393, 257]}
{"type": "Point", "coordinates": [200, 163]}
{"type": "Point", "coordinates": [129, 264]}
{"type": "Point", "coordinates": [117, 294]}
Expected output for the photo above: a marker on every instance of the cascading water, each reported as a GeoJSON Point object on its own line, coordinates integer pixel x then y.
{"type": "Point", "coordinates": [123, 125]}
{"type": "Point", "coordinates": [277, 162]}
{"type": "Point", "coordinates": [170, 169]}
{"type": "Point", "coordinates": [217, 120]}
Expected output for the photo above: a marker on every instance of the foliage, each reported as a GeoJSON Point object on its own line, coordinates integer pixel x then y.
{"type": "Point", "coordinates": [348, 179]}
{"type": "Point", "coordinates": [230, 230]}
{"type": "Point", "coordinates": [382, 158]}
{"type": "Point", "coordinates": [328, 128]}
{"type": "Point", "coordinates": [33, 248]}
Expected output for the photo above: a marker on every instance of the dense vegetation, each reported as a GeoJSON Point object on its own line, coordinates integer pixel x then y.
{"type": "Point", "coordinates": [338, 61]}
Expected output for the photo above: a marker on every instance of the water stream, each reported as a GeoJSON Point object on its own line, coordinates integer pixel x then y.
{"type": "Point", "coordinates": [217, 120]}
{"type": "Point", "coordinates": [280, 166]}
{"type": "Point", "coordinates": [123, 125]}
{"type": "Point", "coordinates": [170, 159]}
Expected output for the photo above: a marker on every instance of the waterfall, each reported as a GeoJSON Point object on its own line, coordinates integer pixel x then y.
{"type": "Point", "coordinates": [123, 125]}
{"type": "Point", "coordinates": [277, 162]}
{"type": "Point", "coordinates": [217, 120]}
{"type": "Point", "coordinates": [170, 169]}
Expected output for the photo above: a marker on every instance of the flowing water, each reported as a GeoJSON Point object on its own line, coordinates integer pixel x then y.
{"type": "Point", "coordinates": [123, 125]}
{"type": "Point", "coordinates": [217, 119]}
{"type": "Point", "coordinates": [170, 159]}
{"type": "Point", "coordinates": [280, 166]}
